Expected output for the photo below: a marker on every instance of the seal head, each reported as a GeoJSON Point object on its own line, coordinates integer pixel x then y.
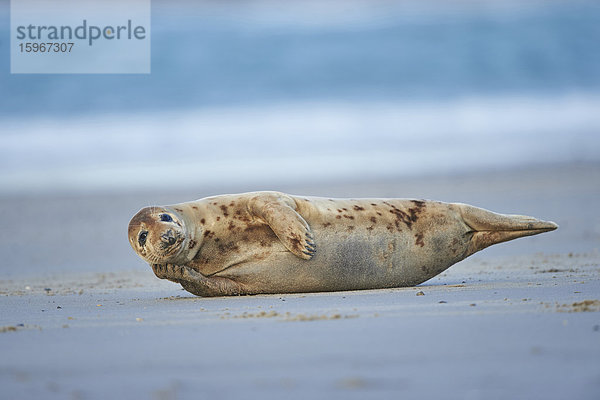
{"type": "Point", "coordinates": [157, 234]}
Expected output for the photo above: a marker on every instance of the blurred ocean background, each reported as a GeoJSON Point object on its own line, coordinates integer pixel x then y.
{"type": "Point", "coordinates": [263, 92]}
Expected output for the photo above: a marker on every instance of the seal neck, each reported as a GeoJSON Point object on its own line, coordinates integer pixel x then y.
{"type": "Point", "coordinates": [193, 232]}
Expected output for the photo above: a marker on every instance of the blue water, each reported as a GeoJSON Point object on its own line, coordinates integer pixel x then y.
{"type": "Point", "coordinates": [248, 91]}
{"type": "Point", "coordinates": [255, 53]}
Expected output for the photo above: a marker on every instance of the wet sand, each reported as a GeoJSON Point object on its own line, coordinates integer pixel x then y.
{"type": "Point", "coordinates": [81, 317]}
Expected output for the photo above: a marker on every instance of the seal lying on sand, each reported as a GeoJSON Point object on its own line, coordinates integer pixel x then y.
{"type": "Point", "coordinates": [270, 242]}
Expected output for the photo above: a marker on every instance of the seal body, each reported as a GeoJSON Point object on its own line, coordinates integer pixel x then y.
{"type": "Point", "coordinates": [270, 242]}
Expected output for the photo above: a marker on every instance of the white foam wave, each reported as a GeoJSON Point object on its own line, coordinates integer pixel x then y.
{"type": "Point", "coordinates": [295, 142]}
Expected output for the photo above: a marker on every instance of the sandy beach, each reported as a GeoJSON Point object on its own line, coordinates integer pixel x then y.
{"type": "Point", "coordinates": [82, 318]}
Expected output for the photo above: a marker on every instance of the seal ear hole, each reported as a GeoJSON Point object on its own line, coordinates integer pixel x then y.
{"type": "Point", "coordinates": [142, 238]}
{"type": "Point", "coordinates": [165, 218]}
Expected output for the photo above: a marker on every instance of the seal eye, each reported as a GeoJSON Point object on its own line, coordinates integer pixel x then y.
{"type": "Point", "coordinates": [142, 238]}
{"type": "Point", "coordinates": [165, 218]}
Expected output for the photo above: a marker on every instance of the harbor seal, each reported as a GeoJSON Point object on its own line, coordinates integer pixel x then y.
{"type": "Point", "coordinates": [271, 242]}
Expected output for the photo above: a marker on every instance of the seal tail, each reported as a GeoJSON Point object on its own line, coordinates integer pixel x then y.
{"type": "Point", "coordinates": [489, 228]}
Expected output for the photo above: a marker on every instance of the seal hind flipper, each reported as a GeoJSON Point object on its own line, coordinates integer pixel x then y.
{"type": "Point", "coordinates": [490, 228]}
{"type": "Point", "coordinates": [279, 212]}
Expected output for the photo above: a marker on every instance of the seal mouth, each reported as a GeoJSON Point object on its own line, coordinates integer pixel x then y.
{"type": "Point", "coordinates": [167, 251]}
{"type": "Point", "coordinates": [168, 238]}
{"type": "Point", "coordinates": [171, 244]}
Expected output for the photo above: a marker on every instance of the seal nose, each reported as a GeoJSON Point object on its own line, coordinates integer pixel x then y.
{"type": "Point", "coordinates": [168, 237]}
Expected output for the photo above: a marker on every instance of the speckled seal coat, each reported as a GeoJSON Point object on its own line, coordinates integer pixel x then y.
{"type": "Point", "coordinates": [270, 242]}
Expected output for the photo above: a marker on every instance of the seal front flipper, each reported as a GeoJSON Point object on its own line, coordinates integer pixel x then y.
{"type": "Point", "coordinates": [279, 212]}
{"type": "Point", "coordinates": [165, 271]}
{"type": "Point", "coordinates": [198, 284]}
